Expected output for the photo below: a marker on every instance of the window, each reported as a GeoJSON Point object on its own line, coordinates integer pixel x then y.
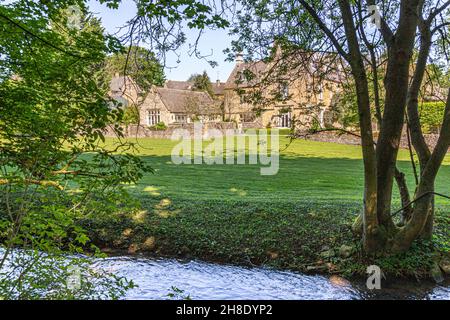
{"type": "Point", "coordinates": [320, 92]}
{"type": "Point", "coordinates": [154, 117]}
{"type": "Point", "coordinates": [284, 91]}
{"type": "Point", "coordinates": [180, 118]}
{"type": "Point", "coordinates": [285, 120]}
{"type": "Point", "coordinates": [242, 76]}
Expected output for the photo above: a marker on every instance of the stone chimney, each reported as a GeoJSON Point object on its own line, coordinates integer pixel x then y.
{"type": "Point", "coordinates": [239, 58]}
{"type": "Point", "coordinates": [218, 82]}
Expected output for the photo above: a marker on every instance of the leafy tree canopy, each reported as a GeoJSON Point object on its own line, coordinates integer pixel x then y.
{"type": "Point", "coordinates": [55, 168]}
{"type": "Point", "coordinates": [202, 82]}
{"type": "Point", "coordinates": [139, 63]}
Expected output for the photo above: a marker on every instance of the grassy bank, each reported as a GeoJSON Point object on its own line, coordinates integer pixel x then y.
{"type": "Point", "coordinates": [298, 219]}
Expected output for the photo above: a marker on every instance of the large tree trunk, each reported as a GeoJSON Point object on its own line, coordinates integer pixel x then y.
{"type": "Point", "coordinates": [371, 239]}
{"type": "Point", "coordinates": [379, 231]}
{"type": "Point", "coordinates": [396, 84]}
{"type": "Point", "coordinates": [418, 221]}
{"type": "Point", "coordinates": [417, 137]}
{"type": "Point", "coordinates": [427, 231]}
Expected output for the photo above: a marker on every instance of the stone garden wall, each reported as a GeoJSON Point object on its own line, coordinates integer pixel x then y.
{"type": "Point", "coordinates": [431, 139]}
{"type": "Point", "coordinates": [140, 131]}
{"type": "Point", "coordinates": [146, 132]}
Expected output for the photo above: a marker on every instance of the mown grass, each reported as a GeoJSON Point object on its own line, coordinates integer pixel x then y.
{"type": "Point", "coordinates": [308, 170]}
{"type": "Point", "coordinates": [230, 213]}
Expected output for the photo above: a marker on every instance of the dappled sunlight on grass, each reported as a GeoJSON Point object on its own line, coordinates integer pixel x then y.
{"type": "Point", "coordinates": [152, 191]}
{"type": "Point", "coordinates": [139, 216]}
{"type": "Point", "coordinates": [308, 170]}
{"type": "Point", "coordinates": [127, 232]}
{"type": "Point", "coordinates": [162, 209]}
{"type": "Point", "coordinates": [163, 213]}
{"type": "Point", "coordinates": [164, 203]}
{"type": "Point", "coordinates": [238, 192]}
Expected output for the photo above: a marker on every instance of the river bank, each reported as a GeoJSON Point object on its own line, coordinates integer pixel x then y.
{"type": "Point", "coordinates": [298, 219]}
{"type": "Point", "coordinates": [181, 279]}
{"type": "Point", "coordinates": [312, 238]}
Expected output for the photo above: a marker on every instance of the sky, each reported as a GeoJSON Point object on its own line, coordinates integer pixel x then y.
{"type": "Point", "coordinates": [212, 43]}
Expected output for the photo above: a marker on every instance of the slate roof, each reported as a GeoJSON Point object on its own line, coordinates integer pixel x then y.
{"type": "Point", "coordinates": [257, 69]}
{"type": "Point", "coordinates": [118, 85]}
{"type": "Point", "coordinates": [308, 63]}
{"type": "Point", "coordinates": [180, 85]}
{"type": "Point", "coordinates": [218, 88]}
{"type": "Point", "coordinates": [176, 100]}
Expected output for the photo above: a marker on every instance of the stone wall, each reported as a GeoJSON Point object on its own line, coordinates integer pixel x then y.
{"type": "Point", "coordinates": [145, 132]}
{"type": "Point", "coordinates": [332, 137]}
{"type": "Point", "coordinates": [431, 139]}
{"type": "Point", "coordinates": [142, 131]}
{"type": "Point", "coordinates": [252, 125]}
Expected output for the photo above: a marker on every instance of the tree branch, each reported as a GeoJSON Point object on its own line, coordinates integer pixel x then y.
{"type": "Point", "coordinates": [386, 32]}
{"type": "Point", "coordinates": [325, 29]}
{"type": "Point", "coordinates": [44, 183]}
{"type": "Point", "coordinates": [437, 11]}
{"type": "Point", "coordinates": [39, 37]}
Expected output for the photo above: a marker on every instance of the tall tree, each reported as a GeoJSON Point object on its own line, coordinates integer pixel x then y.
{"type": "Point", "coordinates": [339, 33]}
{"type": "Point", "coordinates": [140, 64]}
{"type": "Point", "coordinates": [201, 82]}
{"type": "Point", "coordinates": [54, 166]}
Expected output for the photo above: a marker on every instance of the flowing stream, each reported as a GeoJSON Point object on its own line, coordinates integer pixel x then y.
{"type": "Point", "coordinates": [200, 280]}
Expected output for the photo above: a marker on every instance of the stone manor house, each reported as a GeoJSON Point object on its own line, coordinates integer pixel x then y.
{"type": "Point", "coordinates": [176, 103]}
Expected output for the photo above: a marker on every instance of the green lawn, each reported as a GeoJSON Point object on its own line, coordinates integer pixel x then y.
{"type": "Point", "coordinates": [232, 214]}
{"type": "Point", "coordinates": [308, 170]}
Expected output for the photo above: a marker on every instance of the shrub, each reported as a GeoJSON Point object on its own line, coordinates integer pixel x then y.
{"type": "Point", "coordinates": [431, 115]}
{"type": "Point", "coordinates": [159, 126]}
{"type": "Point", "coordinates": [131, 115]}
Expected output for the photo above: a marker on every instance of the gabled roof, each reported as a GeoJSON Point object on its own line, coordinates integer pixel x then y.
{"type": "Point", "coordinates": [257, 69]}
{"type": "Point", "coordinates": [302, 64]}
{"type": "Point", "coordinates": [189, 85]}
{"type": "Point", "coordinates": [178, 101]}
{"type": "Point", "coordinates": [218, 87]}
{"type": "Point", "coordinates": [180, 85]}
{"type": "Point", "coordinates": [119, 86]}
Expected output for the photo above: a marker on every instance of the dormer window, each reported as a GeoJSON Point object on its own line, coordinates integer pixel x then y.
{"type": "Point", "coordinates": [320, 92]}
{"type": "Point", "coordinates": [242, 77]}
{"type": "Point", "coordinates": [284, 90]}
